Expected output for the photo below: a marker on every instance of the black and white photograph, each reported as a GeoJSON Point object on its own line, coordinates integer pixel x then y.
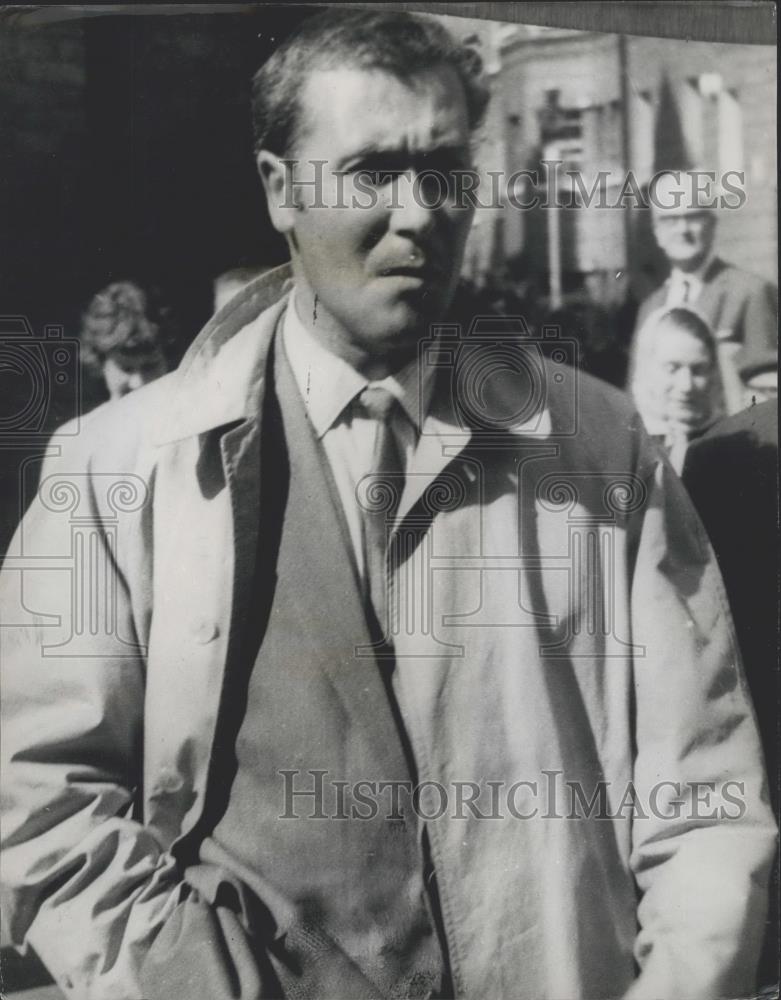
{"type": "Point", "coordinates": [389, 593]}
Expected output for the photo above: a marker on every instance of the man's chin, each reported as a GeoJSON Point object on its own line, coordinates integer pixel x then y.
{"type": "Point", "coordinates": [411, 316]}
{"type": "Point", "coordinates": [687, 262]}
{"type": "Point", "coordinates": [688, 418]}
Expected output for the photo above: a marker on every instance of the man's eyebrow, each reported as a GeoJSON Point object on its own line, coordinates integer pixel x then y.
{"type": "Point", "coordinates": [370, 149]}
{"type": "Point", "coordinates": [373, 150]}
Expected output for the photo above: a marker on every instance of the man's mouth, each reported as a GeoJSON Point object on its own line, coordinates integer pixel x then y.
{"type": "Point", "coordinates": [423, 272]}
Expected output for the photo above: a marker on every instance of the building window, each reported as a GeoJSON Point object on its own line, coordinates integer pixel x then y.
{"type": "Point", "coordinates": [730, 132]}
{"type": "Point", "coordinates": [641, 123]}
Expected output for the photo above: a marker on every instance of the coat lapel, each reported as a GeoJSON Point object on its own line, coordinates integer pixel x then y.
{"type": "Point", "coordinates": [710, 299]}
{"type": "Point", "coordinates": [240, 449]}
{"type": "Point", "coordinates": [448, 435]}
{"type": "Point", "coordinates": [442, 439]}
{"type": "Point", "coordinates": [207, 487]}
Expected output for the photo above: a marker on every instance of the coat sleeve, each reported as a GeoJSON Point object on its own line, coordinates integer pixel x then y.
{"type": "Point", "coordinates": [760, 320]}
{"type": "Point", "coordinates": [84, 884]}
{"type": "Point", "coordinates": [96, 893]}
{"type": "Point", "coordinates": [702, 851]}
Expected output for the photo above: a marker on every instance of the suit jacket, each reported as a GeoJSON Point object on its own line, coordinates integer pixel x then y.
{"type": "Point", "coordinates": [564, 635]}
{"type": "Point", "coordinates": [739, 306]}
{"type": "Point", "coordinates": [741, 310]}
{"type": "Point", "coordinates": [731, 473]}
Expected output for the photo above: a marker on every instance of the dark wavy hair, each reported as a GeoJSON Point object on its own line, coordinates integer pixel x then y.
{"type": "Point", "coordinates": [395, 42]}
{"type": "Point", "coordinates": [122, 320]}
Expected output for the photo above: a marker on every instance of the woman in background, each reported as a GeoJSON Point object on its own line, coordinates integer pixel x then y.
{"type": "Point", "coordinates": [124, 338]}
{"type": "Point", "coordinates": [675, 383]}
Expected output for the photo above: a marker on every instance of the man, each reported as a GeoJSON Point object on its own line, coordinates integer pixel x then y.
{"type": "Point", "coordinates": [674, 382]}
{"type": "Point", "coordinates": [759, 374]}
{"type": "Point", "coordinates": [731, 474]}
{"type": "Point", "coordinates": [286, 771]}
{"type": "Point", "coordinates": [740, 308]}
{"type": "Point", "coordinates": [229, 283]}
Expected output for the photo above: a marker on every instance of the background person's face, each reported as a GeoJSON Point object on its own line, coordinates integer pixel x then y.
{"type": "Point", "coordinates": [684, 236]}
{"type": "Point", "coordinates": [371, 275]}
{"type": "Point", "coordinates": [125, 375]}
{"type": "Point", "coordinates": [681, 376]}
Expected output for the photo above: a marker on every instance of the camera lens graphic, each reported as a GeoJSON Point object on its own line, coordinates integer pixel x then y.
{"type": "Point", "coordinates": [23, 371]}
{"type": "Point", "coordinates": [499, 385]}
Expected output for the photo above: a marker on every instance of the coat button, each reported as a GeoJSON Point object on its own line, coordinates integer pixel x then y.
{"type": "Point", "coordinates": [205, 631]}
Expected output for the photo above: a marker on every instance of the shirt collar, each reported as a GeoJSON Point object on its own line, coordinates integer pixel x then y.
{"type": "Point", "coordinates": [694, 278]}
{"type": "Point", "coordinates": [328, 384]}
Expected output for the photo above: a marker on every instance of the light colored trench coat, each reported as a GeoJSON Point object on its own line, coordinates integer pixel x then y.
{"type": "Point", "coordinates": [586, 640]}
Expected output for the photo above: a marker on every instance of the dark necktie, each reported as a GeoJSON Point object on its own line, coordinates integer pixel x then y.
{"type": "Point", "coordinates": [378, 497]}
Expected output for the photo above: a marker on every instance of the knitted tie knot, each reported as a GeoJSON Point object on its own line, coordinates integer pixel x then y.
{"type": "Point", "coordinates": [377, 402]}
{"type": "Point", "coordinates": [379, 491]}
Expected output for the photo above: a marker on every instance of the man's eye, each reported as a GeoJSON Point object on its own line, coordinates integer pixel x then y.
{"type": "Point", "coordinates": [380, 177]}
{"type": "Point", "coordinates": [448, 166]}
{"type": "Point", "coordinates": [383, 177]}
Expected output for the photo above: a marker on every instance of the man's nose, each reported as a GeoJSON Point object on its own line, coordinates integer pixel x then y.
{"type": "Point", "coordinates": [413, 210]}
{"type": "Point", "coordinates": [684, 380]}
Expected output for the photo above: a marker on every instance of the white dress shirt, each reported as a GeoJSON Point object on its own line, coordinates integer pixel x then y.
{"type": "Point", "coordinates": [328, 386]}
{"type": "Point", "coordinates": [685, 287]}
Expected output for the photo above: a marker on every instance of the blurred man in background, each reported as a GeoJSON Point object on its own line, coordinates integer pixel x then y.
{"type": "Point", "coordinates": [740, 308]}
{"type": "Point", "coordinates": [731, 474]}
{"type": "Point", "coordinates": [230, 283]}
{"type": "Point", "coordinates": [675, 379]}
{"type": "Point", "coordinates": [759, 374]}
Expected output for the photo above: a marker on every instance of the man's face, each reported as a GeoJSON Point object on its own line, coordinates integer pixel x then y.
{"type": "Point", "coordinates": [377, 265]}
{"type": "Point", "coordinates": [681, 376]}
{"type": "Point", "coordinates": [125, 374]}
{"type": "Point", "coordinates": [685, 236]}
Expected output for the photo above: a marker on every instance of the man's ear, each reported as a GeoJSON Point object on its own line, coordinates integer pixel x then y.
{"type": "Point", "coordinates": [278, 185]}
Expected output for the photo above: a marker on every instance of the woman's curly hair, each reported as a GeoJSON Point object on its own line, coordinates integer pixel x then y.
{"type": "Point", "coordinates": [124, 321]}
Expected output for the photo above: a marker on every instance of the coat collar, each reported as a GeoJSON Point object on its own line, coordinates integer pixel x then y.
{"type": "Point", "coordinates": [706, 273]}
{"type": "Point", "coordinates": [220, 377]}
